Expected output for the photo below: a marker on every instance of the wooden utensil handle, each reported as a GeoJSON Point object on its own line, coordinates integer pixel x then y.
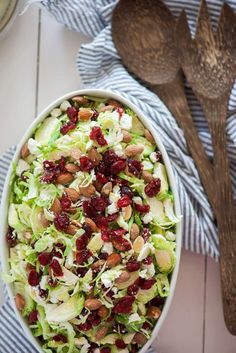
{"type": "Point", "coordinates": [173, 95]}
{"type": "Point", "coordinates": [216, 113]}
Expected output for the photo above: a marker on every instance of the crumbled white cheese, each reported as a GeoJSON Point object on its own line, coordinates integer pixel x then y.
{"type": "Point", "coordinates": [112, 208]}
{"type": "Point", "coordinates": [43, 282]}
{"type": "Point", "coordinates": [108, 248]}
{"type": "Point", "coordinates": [137, 200]}
{"type": "Point", "coordinates": [150, 270]}
{"type": "Point", "coordinates": [134, 317]}
{"type": "Point", "coordinates": [34, 146]}
{"type": "Point", "coordinates": [153, 157]}
{"type": "Point", "coordinates": [108, 277]}
{"type": "Point", "coordinates": [38, 170]}
{"type": "Point", "coordinates": [22, 166]}
{"type": "Point", "coordinates": [121, 222]}
{"type": "Point", "coordinates": [126, 122]}
{"type": "Point", "coordinates": [143, 274]}
{"type": "Point", "coordinates": [119, 150]}
{"type": "Point", "coordinates": [147, 218]}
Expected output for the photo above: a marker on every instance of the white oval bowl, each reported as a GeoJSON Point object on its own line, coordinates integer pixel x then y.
{"type": "Point", "coordinates": [7, 190]}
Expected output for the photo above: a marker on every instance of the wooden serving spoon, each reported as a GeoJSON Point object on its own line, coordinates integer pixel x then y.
{"type": "Point", "coordinates": [209, 63]}
{"type": "Point", "coordinates": [143, 33]}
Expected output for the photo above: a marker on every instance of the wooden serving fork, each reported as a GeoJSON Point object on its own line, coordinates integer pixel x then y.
{"type": "Point", "coordinates": [209, 63]}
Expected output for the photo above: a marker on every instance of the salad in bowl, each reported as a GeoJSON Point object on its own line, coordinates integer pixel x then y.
{"type": "Point", "coordinates": [92, 228]}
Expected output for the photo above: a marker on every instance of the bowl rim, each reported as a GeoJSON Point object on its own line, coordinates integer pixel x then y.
{"type": "Point", "coordinates": [7, 187]}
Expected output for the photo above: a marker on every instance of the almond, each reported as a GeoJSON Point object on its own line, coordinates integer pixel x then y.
{"type": "Point", "coordinates": [25, 151]}
{"type": "Point", "coordinates": [113, 260]}
{"type": "Point", "coordinates": [71, 229]}
{"type": "Point", "coordinates": [76, 154]}
{"type": "Point", "coordinates": [94, 156]}
{"type": "Point", "coordinates": [56, 206]}
{"type": "Point", "coordinates": [147, 176]}
{"type": "Point", "coordinates": [64, 178]}
{"type": "Point", "coordinates": [92, 304]}
{"type": "Point", "coordinates": [43, 220]}
{"type": "Point", "coordinates": [118, 245]}
{"type": "Point", "coordinates": [103, 311]}
{"type": "Point", "coordinates": [91, 224]}
{"type": "Point", "coordinates": [139, 338]}
{"type": "Point", "coordinates": [127, 212]}
{"type": "Point", "coordinates": [126, 136]}
{"type": "Point", "coordinates": [88, 190]}
{"type": "Point", "coordinates": [85, 114]}
{"type": "Point", "coordinates": [72, 168]}
{"type": "Point", "coordinates": [107, 108]}
{"type": "Point", "coordinates": [98, 185]}
{"type": "Point", "coordinates": [154, 312]}
{"type": "Point", "coordinates": [98, 264]}
{"type": "Point", "coordinates": [107, 188]}
{"type": "Point", "coordinates": [134, 231]}
{"type": "Point", "coordinates": [134, 150]}
{"type": "Point", "coordinates": [138, 244]}
{"type": "Point", "coordinates": [149, 136]}
{"type": "Point", "coordinates": [76, 223]}
{"type": "Point", "coordinates": [114, 103]}
{"type": "Point", "coordinates": [19, 301]}
{"type": "Point", "coordinates": [29, 267]}
{"type": "Point", "coordinates": [101, 332]}
{"type": "Point", "coordinates": [27, 235]}
{"type": "Point", "coordinates": [72, 210]}
{"type": "Point", "coordinates": [72, 194]}
{"type": "Point", "coordinates": [123, 277]}
{"type": "Point", "coordinates": [80, 100]}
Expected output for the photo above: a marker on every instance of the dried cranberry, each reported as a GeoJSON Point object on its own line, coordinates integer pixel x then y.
{"type": "Point", "coordinates": [44, 258]}
{"type": "Point", "coordinates": [33, 317]}
{"type": "Point", "coordinates": [112, 217]}
{"type": "Point", "coordinates": [11, 238]}
{"type": "Point", "coordinates": [124, 201]}
{"type": "Point", "coordinates": [118, 233]}
{"type": "Point", "coordinates": [49, 165]}
{"type": "Point", "coordinates": [102, 222]}
{"type": "Point", "coordinates": [158, 156]}
{"type": "Point", "coordinates": [65, 202]}
{"type": "Point", "coordinates": [120, 343]}
{"type": "Point", "coordinates": [157, 301]}
{"type": "Point", "coordinates": [125, 190]}
{"type": "Point", "coordinates": [85, 327]}
{"type": "Point", "coordinates": [60, 338]}
{"type": "Point", "coordinates": [61, 221]}
{"type": "Point", "coordinates": [94, 319]}
{"type": "Point", "coordinates": [135, 167]}
{"type": "Point", "coordinates": [52, 282]}
{"type": "Point", "coordinates": [101, 178]}
{"type": "Point", "coordinates": [133, 265]}
{"type": "Point", "coordinates": [86, 164]}
{"type": "Point", "coordinates": [124, 305]}
{"type": "Point", "coordinates": [103, 255]}
{"type": "Point", "coordinates": [142, 208]}
{"type": "Point", "coordinates": [153, 187]}
{"type": "Point", "coordinates": [146, 234]}
{"type": "Point", "coordinates": [23, 177]}
{"type": "Point", "coordinates": [134, 348]}
{"type": "Point", "coordinates": [132, 289]}
{"type": "Point", "coordinates": [62, 164]}
{"type": "Point", "coordinates": [147, 284]}
{"type": "Point", "coordinates": [118, 166]}
{"type": "Point", "coordinates": [106, 235]}
{"type": "Point", "coordinates": [97, 135]}
{"type": "Point", "coordinates": [72, 114]}
{"type": "Point", "coordinates": [56, 268]}
{"type": "Point", "coordinates": [81, 242]}
{"type": "Point", "coordinates": [88, 209]}
{"type": "Point", "coordinates": [120, 111]}
{"type": "Point", "coordinates": [95, 114]}
{"type": "Point", "coordinates": [93, 347]}
{"type": "Point", "coordinates": [56, 253]}
{"type": "Point", "coordinates": [119, 181]}
{"type": "Point", "coordinates": [83, 256]}
{"type": "Point", "coordinates": [148, 260]}
{"type": "Point", "coordinates": [110, 294]}
{"type": "Point", "coordinates": [105, 350]}
{"type": "Point", "coordinates": [146, 325]}
{"type": "Point", "coordinates": [48, 177]}
{"type": "Point", "coordinates": [65, 128]}
{"type": "Point", "coordinates": [88, 230]}
{"type": "Point", "coordinates": [99, 203]}
{"type": "Point", "coordinates": [81, 271]}
{"type": "Point", "coordinates": [43, 293]}
{"type": "Point", "coordinates": [33, 278]}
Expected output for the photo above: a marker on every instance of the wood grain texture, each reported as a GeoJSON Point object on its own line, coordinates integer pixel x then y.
{"type": "Point", "coordinates": [209, 64]}
{"type": "Point", "coordinates": [143, 32]}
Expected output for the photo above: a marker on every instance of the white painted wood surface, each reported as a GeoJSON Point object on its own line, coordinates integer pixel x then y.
{"type": "Point", "coordinates": [37, 64]}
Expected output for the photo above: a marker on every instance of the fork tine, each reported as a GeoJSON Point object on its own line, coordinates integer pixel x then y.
{"type": "Point", "coordinates": [226, 31]}
{"type": "Point", "coordinates": [204, 27]}
{"type": "Point", "coordinates": [182, 34]}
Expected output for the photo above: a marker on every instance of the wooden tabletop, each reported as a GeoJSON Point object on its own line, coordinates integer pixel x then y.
{"type": "Point", "coordinates": [37, 65]}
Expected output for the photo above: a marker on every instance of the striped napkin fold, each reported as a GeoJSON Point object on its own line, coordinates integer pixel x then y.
{"type": "Point", "coordinates": [100, 67]}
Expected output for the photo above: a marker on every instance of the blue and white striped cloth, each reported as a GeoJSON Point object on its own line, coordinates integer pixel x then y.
{"type": "Point", "coordinates": [100, 67]}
